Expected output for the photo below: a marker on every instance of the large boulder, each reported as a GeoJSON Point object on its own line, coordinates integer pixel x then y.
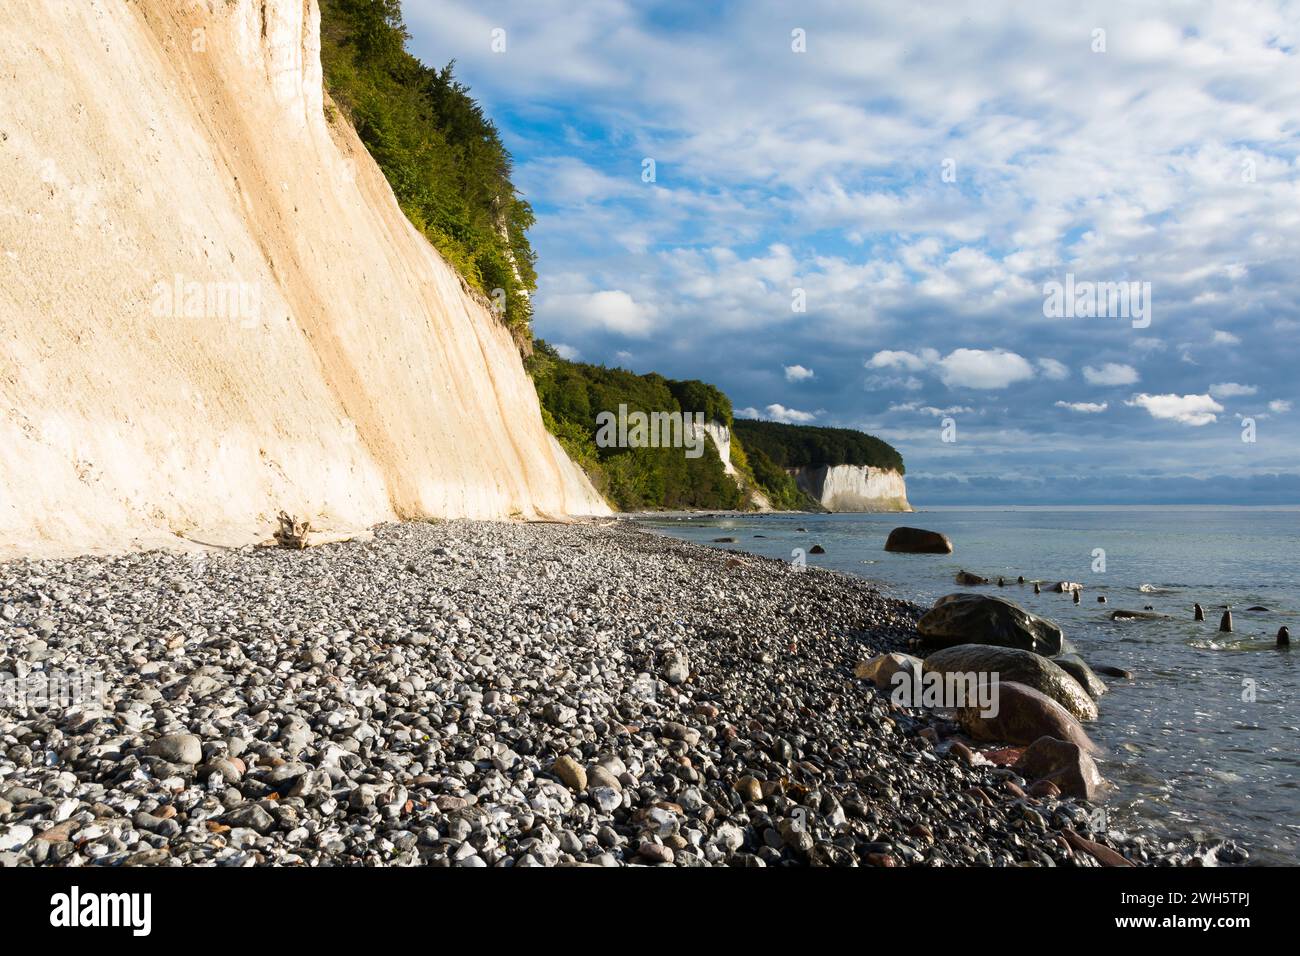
{"type": "Point", "coordinates": [880, 670]}
{"type": "Point", "coordinates": [983, 619]}
{"type": "Point", "coordinates": [1012, 664]}
{"type": "Point", "coordinates": [918, 541]}
{"type": "Point", "coordinates": [1064, 764]}
{"type": "Point", "coordinates": [1078, 668]}
{"type": "Point", "coordinates": [1023, 715]}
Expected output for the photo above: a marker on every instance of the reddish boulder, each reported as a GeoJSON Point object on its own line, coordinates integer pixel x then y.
{"type": "Point", "coordinates": [1020, 716]}
{"type": "Point", "coordinates": [1065, 765]}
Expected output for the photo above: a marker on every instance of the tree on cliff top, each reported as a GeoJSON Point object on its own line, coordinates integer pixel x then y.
{"type": "Point", "coordinates": [442, 156]}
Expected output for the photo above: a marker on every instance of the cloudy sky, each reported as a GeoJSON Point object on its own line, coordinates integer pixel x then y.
{"type": "Point", "coordinates": [852, 215]}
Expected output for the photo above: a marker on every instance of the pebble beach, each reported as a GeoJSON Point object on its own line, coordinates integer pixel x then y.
{"type": "Point", "coordinates": [492, 694]}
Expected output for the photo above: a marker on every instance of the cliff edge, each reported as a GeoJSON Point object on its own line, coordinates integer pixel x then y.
{"type": "Point", "coordinates": [212, 307]}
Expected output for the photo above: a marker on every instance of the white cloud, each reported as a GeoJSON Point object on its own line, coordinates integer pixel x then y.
{"type": "Point", "coordinates": [1112, 373]}
{"type": "Point", "coordinates": [1225, 338]}
{"type": "Point", "coordinates": [1187, 409]}
{"type": "Point", "coordinates": [612, 310]}
{"type": "Point", "coordinates": [778, 413]}
{"type": "Point", "coordinates": [908, 361]}
{"type": "Point", "coordinates": [1087, 408]}
{"type": "Point", "coordinates": [1053, 370]}
{"type": "Point", "coordinates": [932, 410]}
{"type": "Point", "coordinates": [797, 373]}
{"type": "Point", "coordinates": [567, 351]}
{"type": "Point", "coordinates": [983, 368]}
{"type": "Point", "coordinates": [1280, 406]}
{"type": "Point", "coordinates": [1231, 390]}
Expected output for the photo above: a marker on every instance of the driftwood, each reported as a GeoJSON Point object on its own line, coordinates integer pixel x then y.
{"type": "Point", "coordinates": [292, 533]}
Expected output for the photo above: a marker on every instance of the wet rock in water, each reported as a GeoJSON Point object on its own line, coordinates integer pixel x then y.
{"type": "Point", "coordinates": [918, 541]}
{"type": "Point", "coordinates": [177, 748]}
{"type": "Point", "coordinates": [1002, 583]}
{"type": "Point", "coordinates": [816, 549]}
{"type": "Point", "coordinates": [1099, 852]}
{"type": "Point", "coordinates": [1283, 636]}
{"type": "Point", "coordinates": [1078, 668]}
{"type": "Point", "coordinates": [1257, 607]}
{"type": "Point", "coordinates": [1038, 588]}
{"type": "Point", "coordinates": [1198, 613]}
{"type": "Point", "coordinates": [724, 540]}
{"type": "Point", "coordinates": [1043, 789]}
{"type": "Point", "coordinates": [1076, 597]}
{"type": "Point", "coordinates": [1023, 715]}
{"type": "Point", "coordinates": [880, 670]}
{"type": "Point", "coordinates": [979, 619]}
{"type": "Point", "coordinates": [1119, 614]}
{"type": "Point", "coordinates": [1110, 670]}
{"type": "Point", "coordinates": [1225, 623]}
{"type": "Point", "coordinates": [970, 580]}
{"type": "Point", "coordinates": [1065, 587]}
{"type": "Point", "coordinates": [1065, 765]}
{"type": "Point", "coordinates": [1020, 579]}
{"type": "Point", "coordinates": [1101, 599]}
{"type": "Point", "coordinates": [1012, 664]}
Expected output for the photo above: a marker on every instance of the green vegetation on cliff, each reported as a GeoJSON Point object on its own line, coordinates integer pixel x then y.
{"type": "Point", "coordinates": [443, 158]}
{"type": "Point", "coordinates": [795, 446]}
{"type": "Point", "coordinates": [573, 394]}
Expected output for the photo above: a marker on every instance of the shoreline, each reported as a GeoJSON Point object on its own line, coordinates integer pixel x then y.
{"type": "Point", "coordinates": [483, 694]}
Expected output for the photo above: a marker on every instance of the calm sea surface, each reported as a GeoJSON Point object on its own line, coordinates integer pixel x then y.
{"type": "Point", "coordinates": [1206, 739]}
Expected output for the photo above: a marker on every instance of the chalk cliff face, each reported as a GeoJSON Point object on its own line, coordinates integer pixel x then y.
{"type": "Point", "coordinates": [720, 435]}
{"type": "Point", "coordinates": [854, 487]}
{"type": "Point", "coordinates": [211, 306]}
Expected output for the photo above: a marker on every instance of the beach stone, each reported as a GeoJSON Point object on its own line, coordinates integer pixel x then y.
{"type": "Point", "coordinates": [983, 619]}
{"type": "Point", "coordinates": [177, 748]}
{"type": "Point", "coordinates": [1065, 765]}
{"type": "Point", "coordinates": [1099, 852]}
{"type": "Point", "coordinates": [1023, 715]}
{"type": "Point", "coordinates": [750, 789]}
{"type": "Point", "coordinates": [607, 799]}
{"type": "Point", "coordinates": [880, 670]}
{"type": "Point", "coordinates": [677, 668]}
{"type": "Point", "coordinates": [15, 836]}
{"type": "Point", "coordinates": [655, 853]}
{"type": "Point", "coordinates": [1013, 664]}
{"type": "Point", "coordinates": [599, 776]}
{"type": "Point", "coordinates": [918, 541]}
{"type": "Point", "coordinates": [967, 579]}
{"type": "Point", "coordinates": [570, 773]}
{"type": "Point", "coordinates": [252, 816]}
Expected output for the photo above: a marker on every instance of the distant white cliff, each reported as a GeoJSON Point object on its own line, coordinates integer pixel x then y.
{"type": "Point", "coordinates": [854, 487]}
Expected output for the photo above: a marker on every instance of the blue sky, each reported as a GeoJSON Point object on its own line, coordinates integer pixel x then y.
{"type": "Point", "coordinates": [921, 172]}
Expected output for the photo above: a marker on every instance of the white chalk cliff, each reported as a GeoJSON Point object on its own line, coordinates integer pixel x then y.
{"type": "Point", "coordinates": [854, 487]}
{"type": "Point", "coordinates": [321, 357]}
